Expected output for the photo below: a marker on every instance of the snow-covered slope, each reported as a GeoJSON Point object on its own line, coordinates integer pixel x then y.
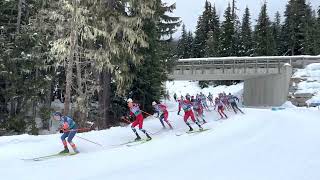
{"type": "Point", "coordinates": [259, 145]}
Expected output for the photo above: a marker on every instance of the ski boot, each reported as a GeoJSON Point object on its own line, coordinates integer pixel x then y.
{"type": "Point", "coordinates": [138, 138]}
{"type": "Point", "coordinates": [66, 150]}
{"type": "Point", "coordinates": [190, 128]}
{"type": "Point", "coordinates": [148, 137]}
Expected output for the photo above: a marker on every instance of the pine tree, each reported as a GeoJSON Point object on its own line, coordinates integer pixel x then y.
{"type": "Point", "coordinates": [264, 41]}
{"type": "Point", "coordinates": [310, 46]}
{"type": "Point", "coordinates": [189, 46]}
{"type": "Point", "coordinates": [150, 76]}
{"type": "Point", "coordinates": [204, 25]}
{"type": "Point", "coordinates": [294, 28]}
{"type": "Point", "coordinates": [317, 34]}
{"type": "Point", "coordinates": [212, 42]}
{"type": "Point", "coordinates": [276, 31]}
{"type": "Point", "coordinates": [182, 44]}
{"type": "Point", "coordinates": [246, 35]}
{"type": "Point", "coordinates": [24, 62]}
{"type": "Point", "coordinates": [212, 46]}
{"type": "Point", "coordinates": [227, 35]}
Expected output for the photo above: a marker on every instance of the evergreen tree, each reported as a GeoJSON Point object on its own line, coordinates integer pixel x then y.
{"type": "Point", "coordinates": [204, 25]}
{"type": "Point", "coordinates": [227, 35]}
{"type": "Point", "coordinates": [237, 30]}
{"type": "Point", "coordinates": [23, 55]}
{"type": "Point", "coordinates": [317, 34]}
{"type": "Point", "coordinates": [276, 31]}
{"type": "Point", "coordinates": [182, 44]}
{"type": "Point", "coordinates": [294, 28]}
{"type": "Point", "coordinates": [212, 42]}
{"type": "Point", "coordinates": [189, 46]}
{"type": "Point", "coordinates": [150, 76]}
{"type": "Point", "coordinates": [212, 46]}
{"type": "Point", "coordinates": [263, 39]}
{"type": "Point", "coordinates": [246, 35]}
{"type": "Point", "coordinates": [310, 46]}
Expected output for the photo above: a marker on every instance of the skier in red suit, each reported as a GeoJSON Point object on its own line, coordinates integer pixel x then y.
{"type": "Point", "coordinates": [186, 105]}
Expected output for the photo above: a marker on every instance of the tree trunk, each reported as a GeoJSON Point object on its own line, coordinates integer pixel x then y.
{"type": "Point", "coordinates": [69, 69]}
{"type": "Point", "coordinates": [19, 16]}
{"type": "Point", "coordinates": [104, 98]}
{"type": "Point", "coordinates": [81, 109]}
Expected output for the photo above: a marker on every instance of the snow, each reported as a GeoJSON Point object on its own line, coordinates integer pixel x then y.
{"type": "Point", "coordinates": [191, 87]}
{"type": "Point", "coordinates": [312, 84]}
{"type": "Point", "coordinates": [288, 104]}
{"type": "Point", "coordinates": [312, 70]}
{"type": "Point", "coordinates": [261, 144]}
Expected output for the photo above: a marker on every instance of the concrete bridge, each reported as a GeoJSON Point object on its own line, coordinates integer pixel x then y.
{"type": "Point", "coordinates": [266, 79]}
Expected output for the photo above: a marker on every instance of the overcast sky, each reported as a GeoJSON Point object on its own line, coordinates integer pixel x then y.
{"type": "Point", "coordinates": [189, 10]}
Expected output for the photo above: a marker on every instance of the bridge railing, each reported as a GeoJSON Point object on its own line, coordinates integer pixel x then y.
{"type": "Point", "coordinates": [240, 65]}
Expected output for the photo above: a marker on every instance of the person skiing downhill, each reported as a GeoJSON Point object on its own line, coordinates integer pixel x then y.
{"type": "Point", "coordinates": [162, 112]}
{"type": "Point", "coordinates": [232, 100]}
{"type": "Point", "coordinates": [219, 104]}
{"type": "Point", "coordinates": [136, 113]}
{"type": "Point", "coordinates": [186, 106]}
{"type": "Point", "coordinates": [69, 129]}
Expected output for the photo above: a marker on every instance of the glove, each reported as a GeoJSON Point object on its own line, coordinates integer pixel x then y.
{"type": "Point", "coordinates": [178, 112]}
{"type": "Point", "coordinates": [61, 131]}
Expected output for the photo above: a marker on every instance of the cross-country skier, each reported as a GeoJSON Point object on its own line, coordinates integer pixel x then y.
{"type": "Point", "coordinates": [186, 106]}
{"type": "Point", "coordinates": [69, 129]}
{"type": "Point", "coordinates": [210, 98]}
{"type": "Point", "coordinates": [162, 112]}
{"type": "Point", "coordinates": [224, 100]}
{"type": "Point", "coordinates": [219, 104]}
{"type": "Point", "coordinates": [136, 113]}
{"type": "Point", "coordinates": [198, 109]}
{"type": "Point", "coordinates": [175, 97]}
{"type": "Point", "coordinates": [232, 100]}
{"type": "Point", "coordinates": [204, 101]}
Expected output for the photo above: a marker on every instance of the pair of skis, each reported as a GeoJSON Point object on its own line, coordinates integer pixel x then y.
{"type": "Point", "coordinates": [192, 132]}
{"type": "Point", "coordinates": [52, 156]}
{"type": "Point", "coordinates": [134, 142]}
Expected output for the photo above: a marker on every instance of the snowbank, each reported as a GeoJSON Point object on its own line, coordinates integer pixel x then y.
{"type": "Point", "coordinates": [312, 70]}
{"type": "Point", "coordinates": [311, 85]}
{"type": "Point", "coordinates": [191, 87]}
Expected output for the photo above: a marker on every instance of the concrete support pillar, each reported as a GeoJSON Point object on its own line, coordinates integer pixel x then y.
{"type": "Point", "coordinates": [270, 90]}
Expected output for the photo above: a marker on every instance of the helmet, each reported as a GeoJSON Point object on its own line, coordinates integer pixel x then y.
{"type": "Point", "coordinates": [57, 113]}
{"type": "Point", "coordinates": [154, 103]}
{"type": "Point", "coordinates": [129, 100]}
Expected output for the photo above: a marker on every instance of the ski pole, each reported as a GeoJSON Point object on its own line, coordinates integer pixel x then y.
{"type": "Point", "coordinates": [88, 140]}
{"type": "Point", "coordinates": [80, 129]}
{"type": "Point", "coordinates": [146, 113]}
{"type": "Point", "coordinates": [126, 120]}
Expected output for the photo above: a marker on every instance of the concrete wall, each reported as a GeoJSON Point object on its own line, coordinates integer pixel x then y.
{"type": "Point", "coordinates": [269, 90]}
